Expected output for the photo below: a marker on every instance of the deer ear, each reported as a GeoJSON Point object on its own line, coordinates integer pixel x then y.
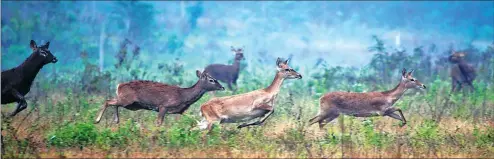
{"type": "Point", "coordinates": [403, 72]}
{"type": "Point", "coordinates": [410, 73]}
{"type": "Point", "coordinates": [286, 61]}
{"type": "Point", "coordinates": [33, 45]}
{"type": "Point", "coordinates": [47, 44]}
{"type": "Point", "coordinates": [278, 61]}
{"type": "Point", "coordinates": [198, 73]}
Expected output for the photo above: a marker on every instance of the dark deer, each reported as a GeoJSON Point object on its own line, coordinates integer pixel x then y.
{"type": "Point", "coordinates": [227, 73]}
{"type": "Point", "coordinates": [331, 105]}
{"type": "Point", "coordinates": [16, 82]}
{"type": "Point", "coordinates": [461, 72]}
{"type": "Point", "coordinates": [159, 97]}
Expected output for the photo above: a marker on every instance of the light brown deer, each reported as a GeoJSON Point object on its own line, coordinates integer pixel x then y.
{"type": "Point", "coordinates": [247, 106]}
{"type": "Point", "coordinates": [365, 104]}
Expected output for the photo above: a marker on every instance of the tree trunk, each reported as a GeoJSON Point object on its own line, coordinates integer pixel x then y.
{"type": "Point", "coordinates": [102, 38]}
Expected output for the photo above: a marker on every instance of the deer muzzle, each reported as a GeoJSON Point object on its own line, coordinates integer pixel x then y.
{"type": "Point", "coordinates": [55, 60]}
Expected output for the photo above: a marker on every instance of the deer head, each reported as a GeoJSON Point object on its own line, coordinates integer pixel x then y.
{"type": "Point", "coordinates": [239, 53]}
{"type": "Point", "coordinates": [410, 81]}
{"type": "Point", "coordinates": [207, 82]}
{"type": "Point", "coordinates": [42, 53]}
{"type": "Point", "coordinates": [456, 56]}
{"type": "Point", "coordinates": [285, 70]}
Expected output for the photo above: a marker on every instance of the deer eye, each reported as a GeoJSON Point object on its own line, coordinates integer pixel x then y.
{"type": "Point", "coordinates": [211, 80]}
{"type": "Point", "coordinates": [412, 79]}
{"type": "Point", "coordinates": [287, 70]}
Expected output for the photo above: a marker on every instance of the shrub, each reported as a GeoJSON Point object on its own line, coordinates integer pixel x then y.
{"type": "Point", "coordinates": [72, 135]}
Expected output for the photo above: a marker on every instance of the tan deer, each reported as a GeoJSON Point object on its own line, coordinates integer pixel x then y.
{"type": "Point", "coordinates": [247, 106]}
{"type": "Point", "coordinates": [365, 104]}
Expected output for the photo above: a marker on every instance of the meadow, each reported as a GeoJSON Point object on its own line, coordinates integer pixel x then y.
{"type": "Point", "coordinates": [441, 123]}
{"type": "Point", "coordinates": [335, 46]}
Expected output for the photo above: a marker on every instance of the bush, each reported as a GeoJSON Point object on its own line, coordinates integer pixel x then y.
{"type": "Point", "coordinates": [484, 138]}
{"type": "Point", "coordinates": [72, 135]}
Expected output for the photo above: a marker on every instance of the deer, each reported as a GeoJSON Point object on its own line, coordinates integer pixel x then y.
{"type": "Point", "coordinates": [461, 72]}
{"type": "Point", "coordinates": [247, 106]}
{"type": "Point", "coordinates": [368, 104]}
{"type": "Point", "coordinates": [16, 82]}
{"type": "Point", "coordinates": [227, 73]}
{"type": "Point", "coordinates": [159, 97]}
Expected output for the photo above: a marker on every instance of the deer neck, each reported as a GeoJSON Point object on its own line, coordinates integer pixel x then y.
{"type": "Point", "coordinates": [276, 84]}
{"type": "Point", "coordinates": [236, 64]}
{"type": "Point", "coordinates": [193, 93]}
{"type": "Point", "coordinates": [30, 67]}
{"type": "Point", "coordinates": [396, 93]}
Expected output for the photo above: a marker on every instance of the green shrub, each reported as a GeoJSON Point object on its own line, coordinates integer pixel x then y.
{"type": "Point", "coordinates": [72, 135]}
{"type": "Point", "coordinates": [484, 138]}
{"type": "Point", "coordinates": [427, 133]}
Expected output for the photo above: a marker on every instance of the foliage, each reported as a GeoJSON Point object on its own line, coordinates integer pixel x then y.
{"type": "Point", "coordinates": [139, 41]}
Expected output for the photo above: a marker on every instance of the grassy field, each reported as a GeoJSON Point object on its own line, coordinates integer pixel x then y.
{"type": "Point", "coordinates": [60, 124]}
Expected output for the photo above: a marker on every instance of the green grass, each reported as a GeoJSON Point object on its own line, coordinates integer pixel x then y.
{"type": "Point", "coordinates": [439, 124]}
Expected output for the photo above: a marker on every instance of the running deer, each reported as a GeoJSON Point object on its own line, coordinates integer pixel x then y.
{"type": "Point", "coordinates": [159, 97]}
{"type": "Point", "coordinates": [227, 73]}
{"type": "Point", "coordinates": [461, 72]}
{"type": "Point", "coordinates": [16, 82]}
{"type": "Point", "coordinates": [247, 106]}
{"type": "Point", "coordinates": [365, 104]}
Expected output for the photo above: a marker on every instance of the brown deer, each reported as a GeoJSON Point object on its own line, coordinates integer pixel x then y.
{"type": "Point", "coordinates": [159, 97]}
{"type": "Point", "coordinates": [365, 104]}
{"type": "Point", "coordinates": [16, 82]}
{"type": "Point", "coordinates": [247, 106]}
{"type": "Point", "coordinates": [461, 72]}
{"type": "Point", "coordinates": [227, 73]}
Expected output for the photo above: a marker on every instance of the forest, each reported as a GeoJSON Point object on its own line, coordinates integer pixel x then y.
{"type": "Point", "coordinates": [346, 46]}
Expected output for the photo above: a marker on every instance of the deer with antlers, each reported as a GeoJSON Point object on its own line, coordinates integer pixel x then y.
{"type": "Point", "coordinates": [247, 106]}
{"type": "Point", "coordinates": [461, 72]}
{"type": "Point", "coordinates": [227, 73]}
{"type": "Point", "coordinates": [331, 105]}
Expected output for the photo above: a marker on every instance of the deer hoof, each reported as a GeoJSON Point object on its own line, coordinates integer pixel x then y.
{"type": "Point", "coordinates": [402, 124]}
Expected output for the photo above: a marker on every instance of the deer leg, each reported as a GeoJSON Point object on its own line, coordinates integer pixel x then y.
{"type": "Point", "coordinates": [328, 119]}
{"type": "Point", "coordinates": [161, 116]}
{"type": "Point", "coordinates": [390, 113]}
{"type": "Point", "coordinates": [21, 102]}
{"type": "Point", "coordinates": [230, 86]}
{"type": "Point", "coordinates": [103, 109]}
{"type": "Point", "coordinates": [472, 88]}
{"type": "Point", "coordinates": [315, 120]}
{"type": "Point", "coordinates": [459, 86]}
{"type": "Point", "coordinates": [453, 85]}
{"type": "Point", "coordinates": [115, 116]}
{"type": "Point", "coordinates": [259, 122]}
{"type": "Point", "coordinates": [395, 116]}
{"type": "Point", "coordinates": [235, 85]}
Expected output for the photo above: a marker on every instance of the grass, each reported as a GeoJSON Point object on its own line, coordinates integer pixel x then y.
{"type": "Point", "coordinates": [60, 115]}
{"type": "Point", "coordinates": [66, 129]}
